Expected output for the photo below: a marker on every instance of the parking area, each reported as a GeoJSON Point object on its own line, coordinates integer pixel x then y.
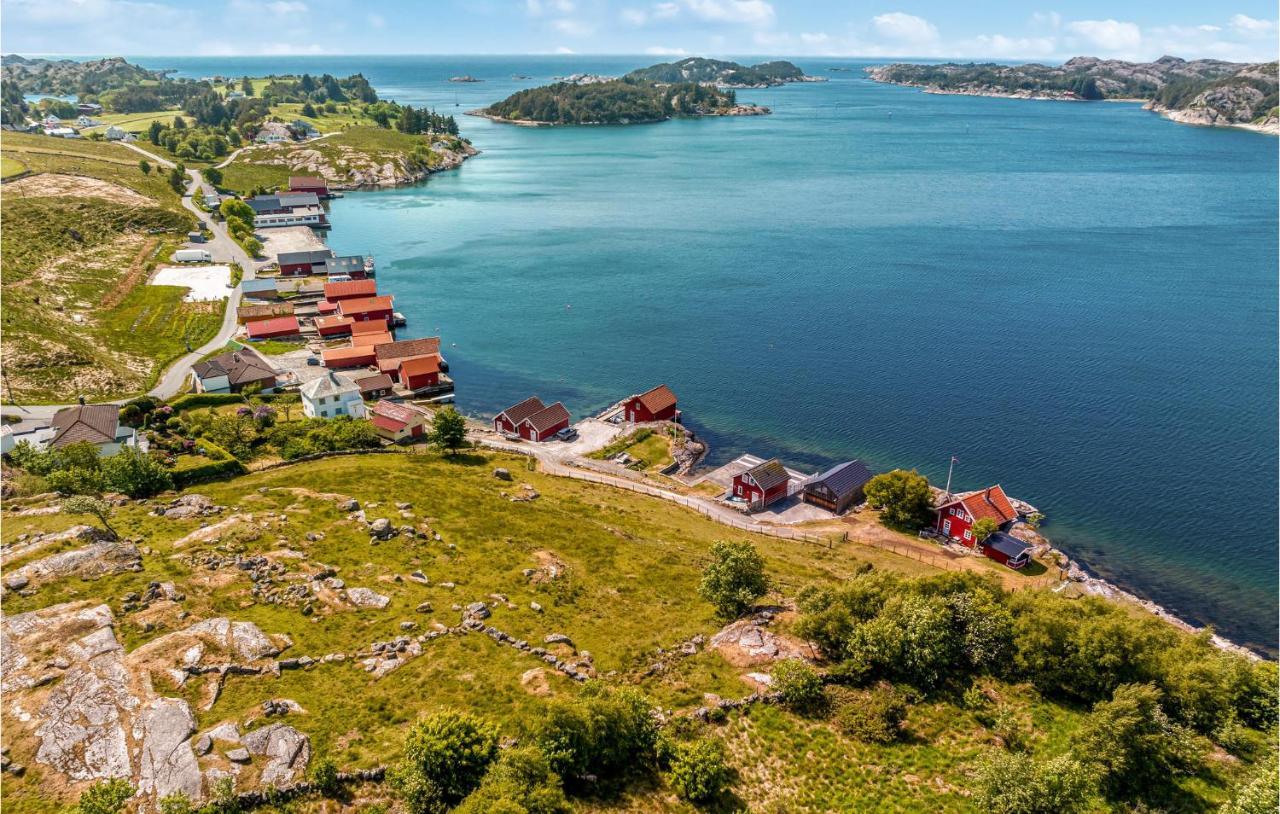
{"type": "Point", "coordinates": [205, 282]}
{"type": "Point", "coordinates": [592, 435]}
{"type": "Point", "coordinates": [288, 239]}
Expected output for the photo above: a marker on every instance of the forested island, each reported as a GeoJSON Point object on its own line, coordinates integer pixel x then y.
{"type": "Point", "coordinates": [1204, 91]}
{"type": "Point", "coordinates": [723, 74]}
{"type": "Point", "coordinates": [616, 101]}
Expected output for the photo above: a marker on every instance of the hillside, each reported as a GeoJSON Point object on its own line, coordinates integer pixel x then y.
{"type": "Point", "coordinates": [80, 233]}
{"type": "Point", "coordinates": [264, 630]}
{"type": "Point", "coordinates": [1198, 92]}
{"type": "Point", "coordinates": [67, 77]}
{"type": "Point", "coordinates": [723, 74]}
{"type": "Point", "coordinates": [618, 101]}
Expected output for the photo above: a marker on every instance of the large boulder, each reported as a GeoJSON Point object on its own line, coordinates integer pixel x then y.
{"type": "Point", "coordinates": [367, 598]}
{"type": "Point", "coordinates": [167, 764]}
{"type": "Point", "coordinates": [90, 561]}
{"type": "Point", "coordinates": [287, 750]}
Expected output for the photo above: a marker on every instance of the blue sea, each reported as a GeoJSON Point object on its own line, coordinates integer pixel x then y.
{"type": "Point", "coordinates": [1077, 300]}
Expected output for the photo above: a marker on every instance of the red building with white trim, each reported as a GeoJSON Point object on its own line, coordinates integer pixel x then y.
{"type": "Point", "coordinates": [366, 309]}
{"type": "Point", "coordinates": [958, 513]}
{"type": "Point", "coordinates": [417, 372]}
{"type": "Point", "coordinates": [543, 424]}
{"type": "Point", "coordinates": [762, 484]}
{"type": "Point", "coordinates": [506, 421]}
{"type": "Point", "coordinates": [658, 404]}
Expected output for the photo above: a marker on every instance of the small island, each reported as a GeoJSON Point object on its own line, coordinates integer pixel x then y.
{"type": "Point", "coordinates": [615, 101]}
{"type": "Point", "coordinates": [724, 74]}
{"type": "Point", "coordinates": [464, 78]}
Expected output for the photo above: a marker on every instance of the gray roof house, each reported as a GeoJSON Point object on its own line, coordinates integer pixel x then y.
{"type": "Point", "coordinates": [838, 488]}
{"type": "Point", "coordinates": [232, 372]}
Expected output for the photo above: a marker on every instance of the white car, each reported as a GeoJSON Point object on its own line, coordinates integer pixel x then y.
{"type": "Point", "coordinates": [567, 434]}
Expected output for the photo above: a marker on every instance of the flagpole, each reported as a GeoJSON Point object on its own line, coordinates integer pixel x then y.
{"type": "Point", "coordinates": [950, 467]}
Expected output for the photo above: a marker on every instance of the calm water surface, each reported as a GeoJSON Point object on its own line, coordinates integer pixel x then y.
{"type": "Point", "coordinates": [1077, 300]}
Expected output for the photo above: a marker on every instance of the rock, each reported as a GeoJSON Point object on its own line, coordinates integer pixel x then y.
{"type": "Point", "coordinates": [419, 577]}
{"type": "Point", "coordinates": [188, 506]}
{"type": "Point", "coordinates": [367, 598]}
{"type": "Point", "coordinates": [557, 638]}
{"type": "Point", "coordinates": [239, 755]}
{"type": "Point", "coordinates": [382, 528]}
{"type": "Point", "coordinates": [477, 610]}
{"type": "Point", "coordinates": [425, 607]}
{"type": "Point", "coordinates": [535, 607]}
{"type": "Point", "coordinates": [203, 744]}
{"type": "Point", "coordinates": [334, 583]}
{"type": "Point", "coordinates": [87, 562]}
{"type": "Point", "coordinates": [404, 506]}
{"type": "Point", "coordinates": [242, 639]}
{"type": "Point", "coordinates": [349, 505]}
{"type": "Point", "coordinates": [167, 765]}
{"type": "Point", "coordinates": [225, 732]}
{"type": "Point", "coordinates": [502, 474]}
{"type": "Point", "coordinates": [408, 625]}
{"type": "Point", "coordinates": [288, 752]}
{"type": "Point", "coordinates": [16, 582]}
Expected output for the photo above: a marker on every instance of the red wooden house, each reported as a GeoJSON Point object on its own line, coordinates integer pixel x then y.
{"type": "Point", "coordinates": [958, 513]}
{"type": "Point", "coordinates": [367, 309]}
{"type": "Point", "coordinates": [544, 424]}
{"type": "Point", "coordinates": [762, 484]}
{"type": "Point", "coordinates": [350, 290]}
{"type": "Point", "coordinates": [506, 421]}
{"type": "Point", "coordinates": [398, 422]}
{"type": "Point", "coordinates": [417, 372]}
{"type": "Point", "coordinates": [277, 328]}
{"type": "Point", "coordinates": [658, 404]}
{"type": "Point", "coordinates": [1007, 549]}
{"type": "Point", "coordinates": [309, 183]}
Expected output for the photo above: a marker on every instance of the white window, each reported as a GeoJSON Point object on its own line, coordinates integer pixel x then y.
{"type": "Point", "coordinates": [968, 535]}
{"type": "Point", "coordinates": [739, 489]}
{"type": "Point", "coordinates": [952, 511]}
{"type": "Point", "coordinates": [946, 526]}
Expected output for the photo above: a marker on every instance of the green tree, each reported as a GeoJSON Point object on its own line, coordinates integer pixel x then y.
{"type": "Point", "coordinates": [1132, 745]}
{"type": "Point", "coordinates": [448, 430]}
{"type": "Point", "coordinates": [520, 781]}
{"type": "Point", "coordinates": [213, 175]}
{"type": "Point", "coordinates": [236, 208]}
{"type": "Point", "coordinates": [252, 246]}
{"type": "Point", "coordinates": [984, 528]}
{"type": "Point", "coordinates": [135, 473]}
{"type": "Point", "coordinates": [903, 498]}
{"type": "Point", "coordinates": [145, 166]}
{"type": "Point", "coordinates": [105, 797]}
{"type": "Point", "coordinates": [246, 86]}
{"type": "Point", "coordinates": [913, 638]}
{"type": "Point", "coordinates": [799, 685]}
{"type": "Point", "coordinates": [1260, 794]}
{"type": "Point", "coordinates": [308, 111]}
{"type": "Point", "coordinates": [1019, 783]}
{"type": "Point", "coordinates": [85, 504]}
{"type": "Point", "coordinates": [177, 180]}
{"type": "Point", "coordinates": [699, 773]}
{"type": "Point", "coordinates": [607, 732]}
{"type": "Point", "coordinates": [734, 579]}
{"type": "Point", "coordinates": [445, 758]}
{"type": "Point", "coordinates": [872, 716]}
{"type": "Point", "coordinates": [324, 777]}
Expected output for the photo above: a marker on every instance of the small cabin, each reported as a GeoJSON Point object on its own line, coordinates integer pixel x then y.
{"type": "Point", "coordinates": [958, 513]}
{"type": "Point", "coordinates": [506, 421]}
{"type": "Point", "coordinates": [762, 484]}
{"type": "Point", "coordinates": [658, 404]}
{"type": "Point", "coordinates": [838, 488]}
{"type": "Point", "coordinates": [1007, 550]}
{"type": "Point", "coordinates": [544, 424]}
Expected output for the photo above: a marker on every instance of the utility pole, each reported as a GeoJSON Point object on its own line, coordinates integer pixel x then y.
{"type": "Point", "coordinates": [950, 467]}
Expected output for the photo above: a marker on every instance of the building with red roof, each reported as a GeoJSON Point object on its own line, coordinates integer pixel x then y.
{"type": "Point", "coordinates": [277, 328]}
{"type": "Point", "coordinates": [339, 358]}
{"type": "Point", "coordinates": [350, 290]}
{"type": "Point", "coordinates": [658, 404]}
{"type": "Point", "coordinates": [370, 339]}
{"type": "Point", "coordinates": [334, 326]}
{"type": "Point", "coordinates": [417, 372]}
{"type": "Point", "coordinates": [958, 513]}
{"type": "Point", "coordinates": [363, 309]}
{"type": "Point", "coordinates": [309, 183]}
{"type": "Point", "coordinates": [506, 421]}
{"type": "Point", "coordinates": [544, 423]}
{"type": "Point", "coordinates": [399, 422]}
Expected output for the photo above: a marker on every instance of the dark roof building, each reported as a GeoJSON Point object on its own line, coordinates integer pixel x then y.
{"type": "Point", "coordinates": [95, 423]}
{"type": "Point", "coordinates": [283, 202]}
{"type": "Point", "coordinates": [240, 368]}
{"type": "Point", "coordinates": [507, 420]}
{"type": "Point", "coordinates": [309, 257]}
{"type": "Point", "coordinates": [838, 488]}
{"type": "Point", "coordinates": [1007, 549]}
{"type": "Point", "coordinates": [544, 423]}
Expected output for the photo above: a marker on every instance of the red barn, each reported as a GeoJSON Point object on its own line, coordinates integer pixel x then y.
{"type": "Point", "coordinates": [278, 328]}
{"type": "Point", "coordinates": [544, 423]}
{"type": "Point", "coordinates": [300, 264]}
{"type": "Point", "coordinates": [506, 421]}
{"type": "Point", "coordinates": [958, 513]}
{"type": "Point", "coordinates": [762, 484]}
{"type": "Point", "coordinates": [399, 422]}
{"type": "Point", "coordinates": [350, 290]}
{"type": "Point", "coordinates": [309, 183]}
{"type": "Point", "coordinates": [1007, 549]}
{"type": "Point", "coordinates": [658, 404]}
{"type": "Point", "coordinates": [365, 309]}
{"type": "Point", "coordinates": [418, 372]}
{"type": "Point", "coordinates": [334, 326]}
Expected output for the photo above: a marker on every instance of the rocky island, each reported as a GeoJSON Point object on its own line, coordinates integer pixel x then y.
{"type": "Point", "coordinates": [1204, 91]}
{"type": "Point", "coordinates": [616, 101]}
{"type": "Point", "coordinates": [724, 74]}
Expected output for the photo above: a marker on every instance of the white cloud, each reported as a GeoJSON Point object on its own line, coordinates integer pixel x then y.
{"type": "Point", "coordinates": [1108, 35]}
{"type": "Point", "coordinates": [741, 12]}
{"type": "Point", "coordinates": [815, 38]}
{"type": "Point", "coordinates": [282, 7]}
{"type": "Point", "coordinates": [663, 51]}
{"type": "Point", "coordinates": [998, 45]}
{"type": "Point", "coordinates": [1049, 19]}
{"type": "Point", "coordinates": [634, 16]}
{"type": "Point", "coordinates": [905, 28]}
{"type": "Point", "coordinates": [1248, 25]}
{"type": "Point", "coordinates": [1209, 28]}
{"type": "Point", "coordinates": [564, 50]}
{"type": "Point", "coordinates": [573, 28]}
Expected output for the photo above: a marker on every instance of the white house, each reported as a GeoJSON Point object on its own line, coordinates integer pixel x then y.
{"type": "Point", "coordinates": [99, 424]}
{"type": "Point", "coordinates": [115, 133]}
{"type": "Point", "coordinates": [85, 121]}
{"type": "Point", "coordinates": [332, 395]}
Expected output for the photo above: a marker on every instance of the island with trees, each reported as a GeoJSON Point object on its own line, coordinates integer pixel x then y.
{"type": "Point", "coordinates": [724, 74]}
{"type": "Point", "coordinates": [617, 101]}
{"type": "Point", "coordinates": [1203, 91]}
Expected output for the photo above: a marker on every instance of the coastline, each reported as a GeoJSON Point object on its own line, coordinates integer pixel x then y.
{"type": "Point", "coordinates": [737, 110]}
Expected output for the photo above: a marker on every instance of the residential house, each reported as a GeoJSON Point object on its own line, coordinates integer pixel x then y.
{"type": "Point", "coordinates": [98, 424]}
{"type": "Point", "coordinates": [350, 290]}
{"type": "Point", "coordinates": [762, 484]}
{"type": "Point", "coordinates": [300, 264]}
{"type": "Point", "coordinates": [233, 371]}
{"type": "Point", "coordinates": [506, 421]}
{"type": "Point", "coordinates": [364, 309]}
{"type": "Point", "coordinates": [309, 183]}
{"type": "Point", "coordinates": [89, 108]}
{"type": "Point", "coordinates": [544, 423]}
{"type": "Point", "coordinates": [658, 404]}
{"type": "Point", "coordinates": [330, 396]}
{"type": "Point", "coordinates": [85, 121]}
{"type": "Point", "coordinates": [275, 328]}
{"type": "Point", "coordinates": [376, 386]}
{"type": "Point", "coordinates": [958, 513]}
{"type": "Point", "coordinates": [400, 423]}
{"type": "Point", "coordinates": [390, 353]}
{"type": "Point", "coordinates": [273, 133]}
{"type": "Point", "coordinates": [838, 488]}
{"type": "Point", "coordinates": [303, 130]}
{"type": "Point", "coordinates": [1007, 549]}
{"type": "Point", "coordinates": [114, 133]}
{"type": "Point", "coordinates": [418, 372]}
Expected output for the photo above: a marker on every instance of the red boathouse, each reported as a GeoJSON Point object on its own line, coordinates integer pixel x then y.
{"type": "Point", "coordinates": [658, 404]}
{"type": "Point", "coordinates": [762, 484]}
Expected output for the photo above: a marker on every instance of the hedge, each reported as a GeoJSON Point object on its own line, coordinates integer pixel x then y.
{"type": "Point", "coordinates": [192, 401]}
{"type": "Point", "coordinates": [225, 466]}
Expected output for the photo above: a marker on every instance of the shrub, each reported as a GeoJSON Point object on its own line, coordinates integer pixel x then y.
{"type": "Point", "coordinates": [84, 504]}
{"type": "Point", "coordinates": [606, 732]}
{"type": "Point", "coordinates": [445, 758]}
{"type": "Point", "coordinates": [903, 498]}
{"type": "Point", "coordinates": [324, 776]}
{"type": "Point", "coordinates": [799, 684]}
{"type": "Point", "coordinates": [75, 481]}
{"type": "Point", "coordinates": [1017, 783]}
{"type": "Point", "coordinates": [1258, 795]}
{"type": "Point", "coordinates": [872, 716]}
{"type": "Point", "coordinates": [521, 782]}
{"type": "Point", "coordinates": [177, 803]}
{"type": "Point", "coordinates": [105, 797]}
{"type": "Point", "coordinates": [192, 401]}
{"type": "Point", "coordinates": [135, 473]}
{"type": "Point", "coordinates": [734, 579]}
{"type": "Point", "coordinates": [1132, 745]}
{"type": "Point", "coordinates": [698, 770]}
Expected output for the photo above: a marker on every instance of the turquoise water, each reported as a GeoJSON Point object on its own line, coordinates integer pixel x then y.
{"type": "Point", "coordinates": [1076, 300]}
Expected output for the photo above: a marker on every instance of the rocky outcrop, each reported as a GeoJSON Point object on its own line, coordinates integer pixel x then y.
{"type": "Point", "coordinates": [749, 641]}
{"type": "Point", "coordinates": [287, 750]}
{"type": "Point", "coordinates": [367, 598]}
{"type": "Point", "coordinates": [91, 561]}
{"type": "Point", "coordinates": [347, 167]}
{"type": "Point", "coordinates": [1231, 104]}
{"type": "Point", "coordinates": [167, 764]}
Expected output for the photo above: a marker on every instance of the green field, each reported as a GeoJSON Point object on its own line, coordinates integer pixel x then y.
{"type": "Point", "coordinates": [131, 122]}
{"type": "Point", "coordinates": [10, 167]}
{"type": "Point", "coordinates": [94, 159]}
{"type": "Point", "coordinates": [629, 571]}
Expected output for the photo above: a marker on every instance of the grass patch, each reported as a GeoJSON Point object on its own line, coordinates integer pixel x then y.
{"type": "Point", "coordinates": [10, 167]}
{"type": "Point", "coordinates": [652, 450]}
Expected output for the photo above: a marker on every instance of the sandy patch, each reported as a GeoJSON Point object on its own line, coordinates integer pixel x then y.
{"type": "Point", "coordinates": [51, 184]}
{"type": "Point", "coordinates": [205, 283]}
{"type": "Point", "coordinates": [287, 239]}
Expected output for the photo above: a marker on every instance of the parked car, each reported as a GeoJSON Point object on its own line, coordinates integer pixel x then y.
{"type": "Point", "coordinates": [567, 434]}
{"type": "Point", "coordinates": [313, 360]}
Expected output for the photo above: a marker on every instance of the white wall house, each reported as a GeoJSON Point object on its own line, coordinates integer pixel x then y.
{"type": "Point", "coordinates": [330, 396]}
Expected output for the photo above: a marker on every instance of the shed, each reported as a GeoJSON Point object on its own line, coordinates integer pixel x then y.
{"type": "Point", "coordinates": [376, 386]}
{"type": "Point", "coordinates": [544, 423]}
{"type": "Point", "coordinates": [334, 326]}
{"type": "Point", "coordinates": [275, 328]}
{"type": "Point", "coordinates": [259, 288]}
{"type": "Point", "coordinates": [338, 358]}
{"type": "Point", "coordinates": [309, 183]}
{"type": "Point", "coordinates": [506, 421]}
{"type": "Point", "coordinates": [838, 488]}
{"type": "Point", "coordinates": [368, 308]}
{"type": "Point", "coordinates": [350, 290]}
{"type": "Point", "coordinates": [300, 264]}
{"type": "Point", "coordinates": [1007, 549]}
{"type": "Point", "coordinates": [399, 422]}
{"type": "Point", "coordinates": [417, 372]}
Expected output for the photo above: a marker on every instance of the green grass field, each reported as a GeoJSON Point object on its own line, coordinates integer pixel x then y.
{"type": "Point", "coordinates": [94, 159]}
{"type": "Point", "coordinates": [132, 122]}
{"type": "Point", "coordinates": [11, 166]}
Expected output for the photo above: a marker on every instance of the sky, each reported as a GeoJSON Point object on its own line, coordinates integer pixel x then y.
{"type": "Point", "coordinates": [1239, 30]}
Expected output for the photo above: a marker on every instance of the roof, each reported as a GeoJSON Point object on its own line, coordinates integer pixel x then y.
{"type": "Point", "coordinates": [333, 322]}
{"type": "Point", "coordinates": [418, 365]}
{"type": "Point", "coordinates": [658, 399]}
{"type": "Point", "coordinates": [326, 307]}
{"type": "Point", "coordinates": [991, 503]}
{"type": "Point", "coordinates": [379, 381]}
{"type": "Point", "coordinates": [368, 327]}
{"type": "Point", "coordinates": [278, 325]}
{"type": "Point", "coordinates": [409, 347]}
{"type": "Point", "coordinates": [238, 366]}
{"type": "Point", "coordinates": [345, 264]}
{"type": "Point", "coordinates": [347, 357]}
{"type": "Point", "coordinates": [247, 313]}
{"type": "Point", "coordinates": [351, 288]}
{"type": "Point", "coordinates": [523, 410]}
{"type": "Point", "coordinates": [399, 412]}
{"type": "Point", "coordinates": [95, 423]}
{"type": "Point", "coordinates": [308, 256]}
{"type": "Point", "coordinates": [1007, 545]}
{"type": "Point", "coordinates": [548, 417]}
{"type": "Point", "coordinates": [371, 340]}
{"type": "Point", "coordinates": [285, 200]}
{"type": "Point", "coordinates": [843, 479]}
{"type": "Point", "coordinates": [307, 181]}
{"type": "Point", "coordinates": [330, 384]}
{"type": "Point", "coordinates": [258, 284]}
{"type": "Point", "coordinates": [768, 474]}
{"type": "Point", "coordinates": [364, 305]}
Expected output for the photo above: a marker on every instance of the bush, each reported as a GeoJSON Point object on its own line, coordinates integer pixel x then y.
{"type": "Point", "coordinates": [1132, 745]}
{"type": "Point", "coordinates": [735, 579]}
{"type": "Point", "coordinates": [698, 770]}
{"type": "Point", "coordinates": [223, 466]}
{"type": "Point", "coordinates": [105, 797]}
{"type": "Point", "coordinates": [606, 732]}
{"type": "Point", "coordinates": [324, 776]}
{"type": "Point", "coordinates": [799, 684]}
{"type": "Point", "coordinates": [872, 716]}
{"type": "Point", "coordinates": [193, 401]}
{"type": "Point", "coordinates": [177, 803]}
{"type": "Point", "coordinates": [521, 782]}
{"type": "Point", "coordinates": [1017, 783]}
{"type": "Point", "coordinates": [1259, 795]}
{"type": "Point", "coordinates": [903, 498]}
{"type": "Point", "coordinates": [445, 758]}
{"type": "Point", "coordinates": [135, 473]}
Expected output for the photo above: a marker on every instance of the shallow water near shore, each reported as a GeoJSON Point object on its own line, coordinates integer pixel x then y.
{"type": "Point", "coordinates": [1076, 300]}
